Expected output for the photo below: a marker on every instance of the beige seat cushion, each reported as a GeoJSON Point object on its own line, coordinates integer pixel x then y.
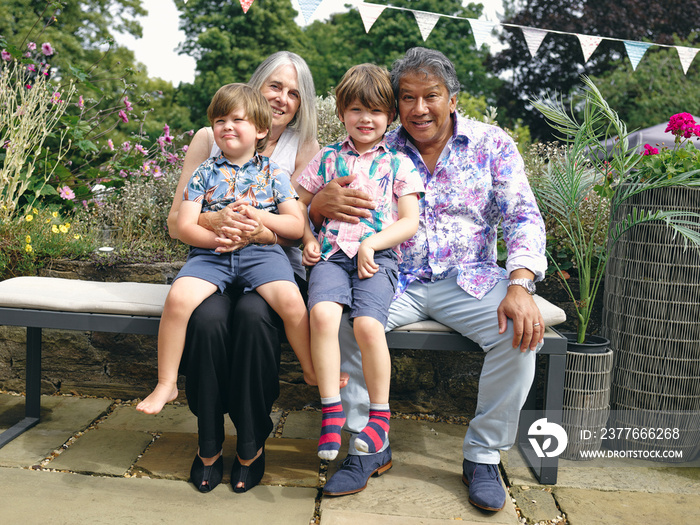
{"type": "Point", "coordinates": [71, 295]}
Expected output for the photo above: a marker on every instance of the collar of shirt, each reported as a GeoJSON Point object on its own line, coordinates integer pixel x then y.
{"type": "Point", "coordinates": [348, 146]}
{"type": "Point", "coordinates": [255, 160]}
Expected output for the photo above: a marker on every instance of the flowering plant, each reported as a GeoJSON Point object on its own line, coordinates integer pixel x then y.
{"type": "Point", "coordinates": [585, 171]}
{"type": "Point", "coordinates": [684, 157]}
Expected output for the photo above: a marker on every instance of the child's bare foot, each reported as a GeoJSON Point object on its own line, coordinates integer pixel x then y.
{"type": "Point", "coordinates": [161, 395]}
{"type": "Point", "coordinates": [310, 379]}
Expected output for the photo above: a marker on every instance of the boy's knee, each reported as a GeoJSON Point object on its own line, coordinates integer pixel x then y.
{"type": "Point", "coordinates": [367, 329]}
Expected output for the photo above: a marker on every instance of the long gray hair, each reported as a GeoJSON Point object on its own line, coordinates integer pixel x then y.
{"type": "Point", "coordinates": [429, 62]}
{"type": "Point", "coordinates": [305, 120]}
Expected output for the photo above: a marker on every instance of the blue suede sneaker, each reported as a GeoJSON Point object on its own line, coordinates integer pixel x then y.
{"type": "Point", "coordinates": [485, 487]}
{"type": "Point", "coordinates": [355, 471]}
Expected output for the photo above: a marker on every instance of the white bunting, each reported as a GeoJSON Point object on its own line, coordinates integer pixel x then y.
{"type": "Point", "coordinates": [636, 50]}
{"type": "Point", "coordinates": [426, 23]}
{"type": "Point", "coordinates": [533, 38]}
{"type": "Point", "coordinates": [483, 32]}
{"type": "Point", "coordinates": [588, 45]}
{"type": "Point", "coordinates": [686, 54]}
{"type": "Point", "coordinates": [308, 8]}
{"type": "Point", "coordinates": [370, 13]}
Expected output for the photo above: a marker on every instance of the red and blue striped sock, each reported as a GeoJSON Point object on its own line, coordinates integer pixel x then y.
{"type": "Point", "coordinates": [373, 436]}
{"type": "Point", "coordinates": [331, 426]}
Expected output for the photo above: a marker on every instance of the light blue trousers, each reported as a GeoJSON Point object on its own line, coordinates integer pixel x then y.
{"type": "Point", "coordinates": [506, 376]}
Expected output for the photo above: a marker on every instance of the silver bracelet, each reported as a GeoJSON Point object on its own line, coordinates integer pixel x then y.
{"type": "Point", "coordinates": [275, 238]}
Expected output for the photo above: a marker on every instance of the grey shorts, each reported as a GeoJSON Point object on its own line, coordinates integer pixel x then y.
{"type": "Point", "coordinates": [250, 267]}
{"type": "Point", "coordinates": [336, 280]}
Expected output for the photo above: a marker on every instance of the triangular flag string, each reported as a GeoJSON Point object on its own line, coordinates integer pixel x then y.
{"type": "Point", "coordinates": [369, 14]}
{"type": "Point", "coordinates": [245, 4]}
{"type": "Point", "coordinates": [588, 45]}
{"type": "Point", "coordinates": [635, 51]}
{"type": "Point", "coordinates": [308, 7]}
{"type": "Point", "coordinates": [533, 38]}
{"type": "Point", "coordinates": [426, 22]}
{"type": "Point", "coordinates": [482, 31]}
{"type": "Point", "coordinates": [686, 56]}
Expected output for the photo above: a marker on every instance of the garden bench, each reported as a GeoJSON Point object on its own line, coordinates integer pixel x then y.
{"type": "Point", "coordinates": [135, 308]}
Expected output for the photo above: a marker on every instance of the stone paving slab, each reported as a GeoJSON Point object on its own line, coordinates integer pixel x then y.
{"type": "Point", "coordinates": [61, 418]}
{"type": "Point", "coordinates": [611, 474]}
{"type": "Point", "coordinates": [31, 497]}
{"type": "Point", "coordinates": [335, 517]}
{"type": "Point", "coordinates": [425, 482]}
{"type": "Point", "coordinates": [596, 507]}
{"type": "Point", "coordinates": [173, 418]}
{"type": "Point", "coordinates": [288, 462]}
{"type": "Point", "coordinates": [105, 452]}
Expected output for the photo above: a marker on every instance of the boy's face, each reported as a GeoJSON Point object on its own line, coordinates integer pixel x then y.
{"type": "Point", "coordinates": [236, 136]}
{"type": "Point", "coordinates": [366, 126]}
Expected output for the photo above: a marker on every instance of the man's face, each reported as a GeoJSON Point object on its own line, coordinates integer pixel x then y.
{"type": "Point", "coordinates": [425, 108]}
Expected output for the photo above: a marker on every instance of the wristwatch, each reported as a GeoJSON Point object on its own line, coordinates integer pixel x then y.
{"type": "Point", "coordinates": [528, 284]}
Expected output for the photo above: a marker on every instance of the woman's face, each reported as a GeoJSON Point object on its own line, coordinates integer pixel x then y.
{"type": "Point", "coordinates": [281, 89]}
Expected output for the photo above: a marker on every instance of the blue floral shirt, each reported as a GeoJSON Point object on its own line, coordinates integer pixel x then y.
{"type": "Point", "coordinates": [478, 181]}
{"type": "Point", "coordinates": [216, 183]}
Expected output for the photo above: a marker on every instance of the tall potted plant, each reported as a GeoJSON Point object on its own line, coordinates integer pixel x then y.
{"type": "Point", "coordinates": [587, 170]}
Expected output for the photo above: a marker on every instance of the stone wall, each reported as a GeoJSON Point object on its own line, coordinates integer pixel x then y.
{"type": "Point", "coordinates": [125, 366]}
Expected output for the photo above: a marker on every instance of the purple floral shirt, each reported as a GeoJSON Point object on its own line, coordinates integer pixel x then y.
{"type": "Point", "coordinates": [479, 181]}
{"type": "Point", "coordinates": [381, 172]}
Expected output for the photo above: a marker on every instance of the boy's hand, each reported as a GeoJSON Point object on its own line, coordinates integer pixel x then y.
{"type": "Point", "coordinates": [366, 267]}
{"type": "Point", "coordinates": [312, 253]}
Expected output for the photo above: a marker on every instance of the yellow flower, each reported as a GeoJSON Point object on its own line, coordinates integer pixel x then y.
{"type": "Point", "coordinates": [48, 220]}
{"type": "Point", "coordinates": [28, 239]}
{"type": "Point", "coordinates": [67, 225]}
{"type": "Point", "coordinates": [77, 236]}
{"type": "Point", "coordinates": [63, 228]}
{"type": "Point", "coordinates": [29, 218]}
{"type": "Point", "coordinates": [28, 248]}
{"type": "Point", "coordinates": [36, 212]}
{"type": "Point", "coordinates": [54, 214]}
{"type": "Point", "coordinates": [54, 228]}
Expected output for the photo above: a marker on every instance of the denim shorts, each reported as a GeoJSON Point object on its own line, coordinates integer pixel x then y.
{"type": "Point", "coordinates": [336, 280]}
{"type": "Point", "coordinates": [250, 267]}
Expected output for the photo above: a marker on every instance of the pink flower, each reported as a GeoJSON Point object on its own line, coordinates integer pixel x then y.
{"type": "Point", "coordinates": [140, 149]}
{"type": "Point", "coordinates": [128, 105]}
{"type": "Point", "coordinates": [185, 148]}
{"type": "Point", "coordinates": [126, 146]}
{"type": "Point", "coordinates": [81, 102]}
{"type": "Point", "coordinates": [650, 150]}
{"type": "Point", "coordinates": [166, 130]}
{"type": "Point", "coordinates": [31, 46]}
{"type": "Point", "coordinates": [681, 124]}
{"type": "Point", "coordinates": [46, 49]}
{"type": "Point", "coordinates": [5, 55]}
{"type": "Point", "coordinates": [31, 68]}
{"type": "Point", "coordinates": [110, 144]}
{"type": "Point", "coordinates": [66, 193]}
{"type": "Point", "coordinates": [122, 115]}
{"type": "Point", "coordinates": [56, 98]}
{"type": "Point", "coordinates": [28, 86]}
{"type": "Point", "coordinates": [172, 158]}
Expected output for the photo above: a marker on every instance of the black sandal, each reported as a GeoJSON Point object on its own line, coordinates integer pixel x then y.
{"type": "Point", "coordinates": [206, 477]}
{"type": "Point", "coordinates": [248, 475]}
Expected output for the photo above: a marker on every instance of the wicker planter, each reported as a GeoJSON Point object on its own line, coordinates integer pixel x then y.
{"type": "Point", "coordinates": [586, 394]}
{"type": "Point", "coordinates": [652, 317]}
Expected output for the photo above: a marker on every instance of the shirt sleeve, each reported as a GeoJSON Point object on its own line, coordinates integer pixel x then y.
{"type": "Point", "coordinates": [523, 227]}
{"type": "Point", "coordinates": [197, 185]}
{"type": "Point", "coordinates": [311, 179]}
{"type": "Point", "coordinates": [407, 179]}
{"type": "Point", "coordinates": [281, 184]}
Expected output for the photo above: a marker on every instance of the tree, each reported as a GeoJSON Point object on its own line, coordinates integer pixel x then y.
{"type": "Point", "coordinates": [343, 42]}
{"type": "Point", "coordinates": [228, 45]}
{"type": "Point", "coordinates": [559, 61]}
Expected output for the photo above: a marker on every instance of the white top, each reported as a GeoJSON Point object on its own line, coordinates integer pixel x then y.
{"type": "Point", "coordinates": [285, 156]}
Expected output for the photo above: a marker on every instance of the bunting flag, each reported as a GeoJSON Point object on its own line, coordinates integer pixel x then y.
{"type": "Point", "coordinates": [308, 7]}
{"type": "Point", "coordinates": [533, 38]}
{"type": "Point", "coordinates": [426, 22]}
{"type": "Point", "coordinates": [636, 50]}
{"type": "Point", "coordinates": [483, 32]}
{"type": "Point", "coordinates": [588, 45]}
{"type": "Point", "coordinates": [370, 13]}
{"type": "Point", "coordinates": [245, 4]}
{"type": "Point", "coordinates": [686, 55]}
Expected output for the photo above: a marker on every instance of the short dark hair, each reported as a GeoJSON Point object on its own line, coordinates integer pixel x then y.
{"type": "Point", "coordinates": [428, 62]}
{"type": "Point", "coordinates": [257, 109]}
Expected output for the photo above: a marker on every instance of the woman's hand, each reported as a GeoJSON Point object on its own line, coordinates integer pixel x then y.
{"type": "Point", "coordinates": [236, 226]}
{"type": "Point", "coordinates": [338, 202]}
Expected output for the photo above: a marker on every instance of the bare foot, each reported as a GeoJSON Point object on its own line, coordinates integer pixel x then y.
{"type": "Point", "coordinates": [310, 379]}
{"type": "Point", "coordinates": [154, 403]}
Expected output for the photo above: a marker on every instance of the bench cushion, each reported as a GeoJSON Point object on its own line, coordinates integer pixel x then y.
{"type": "Point", "coordinates": [72, 295]}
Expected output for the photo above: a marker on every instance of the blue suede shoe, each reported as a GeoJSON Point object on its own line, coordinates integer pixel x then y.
{"type": "Point", "coordinates": [355, 471]}
{"type": "Point", "coordinates": [485, 487]}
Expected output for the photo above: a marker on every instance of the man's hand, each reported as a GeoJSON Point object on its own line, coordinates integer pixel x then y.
{"type": "Point", "coordinates": [337, 201]}
{"type": "Point", "coordinates": [528, 325]}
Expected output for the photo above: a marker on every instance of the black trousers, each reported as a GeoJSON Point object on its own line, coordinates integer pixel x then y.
{"type": "Point", "coordinates": [231, 363]}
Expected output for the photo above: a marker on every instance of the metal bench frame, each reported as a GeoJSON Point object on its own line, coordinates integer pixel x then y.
{"type": "Point", "coordinates": [554, 350]}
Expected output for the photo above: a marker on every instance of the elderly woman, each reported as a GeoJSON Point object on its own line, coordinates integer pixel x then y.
{"type": "Point", "coordinates": [232, 354]}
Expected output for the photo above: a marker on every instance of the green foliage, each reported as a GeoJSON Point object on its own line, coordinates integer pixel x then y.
{"type": "Point", "coordinates": [563, 188]}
